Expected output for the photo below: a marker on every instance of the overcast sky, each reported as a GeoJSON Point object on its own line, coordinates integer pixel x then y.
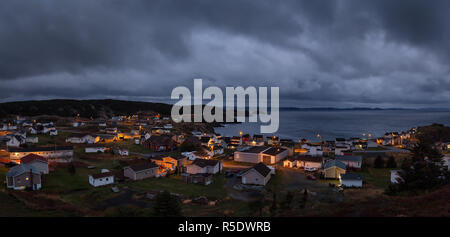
{"type": "Point", "coordinates": [320, 53]}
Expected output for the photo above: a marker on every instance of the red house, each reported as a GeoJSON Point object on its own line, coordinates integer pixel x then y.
{"type": "Point", "coordinates": [160, 143]}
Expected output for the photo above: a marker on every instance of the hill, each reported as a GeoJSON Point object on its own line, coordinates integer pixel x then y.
{"type": "Point", "coordinates": [86, 108]}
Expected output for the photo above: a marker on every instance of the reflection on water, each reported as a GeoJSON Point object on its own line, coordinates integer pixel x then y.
{"type": "Point", "coordinates": [332, 124]}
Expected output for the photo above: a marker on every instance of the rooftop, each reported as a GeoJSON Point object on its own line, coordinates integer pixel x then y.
{"type": "Point", "coordinates": [274, 151]}
{"type": "Point", "coordinates": [351, 176]}
{"type": "Point", "coordinates": [254, 149]}
{"type": "Point", "coordinates": [203, 162]}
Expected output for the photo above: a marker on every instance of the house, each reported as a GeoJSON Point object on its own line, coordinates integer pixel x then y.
{"type": "Point", "coordinates": [15, 141]}
{"type": "Point", "coordinates": [204, 179]}
{"type": "Point", "coordinates": [372, 144]}
{"type": "Point", "coordinates": [333, 169]}
{"type": "Point", "coordinates": [191, 155]}
{"type": "Point", "coordinates": [258, 175]}
{"type": "Point", "coordinates": [111, 130]}
{"type": "Point", "coordinates": [396, 177]}
{"type": "Point", "coordinates": [32, 130]}
{"type": "Point", "coordinates": [290, 162]}
{"type": "Point", "coordinates": [160, 143]}
{"type": "Point", "coordinates": [250, 154]}
{"type": "Point", "coordinates": [352, 162]}
{"type": "Point", "coordinates": [39, 162]}
{"type": "Point", "coordinates": [102, 124]}
{"type": "Point", "coordinates": [82, 138]}
{"type": "Point", "coordinates": [107, 138]}
{"type": "Point", "coordinates": [101, 179]}
{"type": "Point", "coordinates": [235, 141]}
{"type": "Point", "coordinates": [309, 162]}
{"type": "Point", "coordinates": [273, 140]}
{"type": "Point", "coordinates": [170, 162]}
{"type": "Point", "coordinates": [24, 176]}
{"type": "Point", "coordinates": [32, 139]}
{"type": "Point", "coordinates": [246, 139]}
{"type": "Point", "coordinates": [350, 180]}
{"type": "Point", "coordinates": [141, 171]}
{"type": "Point", "coordinates": [123, 152]}
{"type": "Point", "coordinates": [204, 140]}
{"type": "Point", "coordinates": [258, 140]}
{"type": "Point", "coordinates": [54, 132]}
{"type": "Point", "coordinates": [339, 150]}
{"type": "Point", "coordinates": [203, 166]}
{"type": "Point", "coordinates": [313, 149]}
{"type": "Point", "coordinates": [95, 149]}
{"type": "Point", "coordinates": [274, 155]}
{"type": "Point", "coordinates": [214, 150]}
{"type": "Point", "coordinates": [54, 154]}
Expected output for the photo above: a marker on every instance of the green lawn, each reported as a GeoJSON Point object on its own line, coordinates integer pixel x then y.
{"type": "Point", "coordinates": [378, 178]}
{"type": "Point", "coordinates": [76, 189]}
{"type": "Point", "coordinates": [62, 181]}
{"type": "Point", "coordinates": [11, 207]}
{"type": "Point", "coordinates": [131, 146]}
{"type": "Point", "coordinates": [174, 184]}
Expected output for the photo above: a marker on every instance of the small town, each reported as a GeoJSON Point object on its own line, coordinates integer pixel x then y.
{"type": "Point", "coordinates": [126, 165]}
{"type": "Point", "coordinates": [209, 117]}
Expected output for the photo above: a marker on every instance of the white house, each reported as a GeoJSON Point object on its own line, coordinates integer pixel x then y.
{"type": "Point", "coordinates": [32, 139]}
{"type": "Point", "coordinates": [123, 152]}
{"type": "Point", "coordinates": [190, 155]}
{"type": "Point", "coordinates": [82, 138]}
{"type": "Point", "coordinates": [350, 180]}
{"type": "Point", "coordinates": [15, 141]}
{"type": "Point", "coordinates": [95, 149]}
{"type": "Point", "coordinates": [313, 149]}
{"type": "Point", "coordinates": [216, 150]}
{"type": "Point", "coordinates": [395, 176]}
{"type": "Point", "coordinates": [101, 179]}
{"type": "Point", "coordinates": [32, 130]}
{"type": "Point", "coordinates": [147, 135]}
{"type": "Point", "coordinates": [353, 162]}
{"type": "Point", "coordinates": [339, 150]}
{"type": "Point", "coordinates": [259, 174]}
{"type": "Point", "coordinates": [203, 166]}
{"type": "Point", "coordinates": [54, 132]}
{"type": "Point", "coordinates": [372, 144]}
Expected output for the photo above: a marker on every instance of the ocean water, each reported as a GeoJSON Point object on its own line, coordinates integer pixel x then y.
{"type": "Point", "coordinates": [342, 123]}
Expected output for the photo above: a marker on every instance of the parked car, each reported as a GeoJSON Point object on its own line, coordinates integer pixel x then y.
{"type": "Point", "coordinates": [310, 169]}
{"type": "Point", "coordinates": [229, 174]}
{"type": "Point", "coordinates": [311, 177]}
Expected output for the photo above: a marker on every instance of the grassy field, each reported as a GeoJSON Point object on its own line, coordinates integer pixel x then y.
{"type": "Point", "coordinates": [131, 146]}
{"type": "Point", "coordinates": [174, 184]}
{"type": "Point", "coordinates": [11, 207]}
{"type": "Point", "coordinates": [46, 139]}
{"type": "Point", "coordinates": [378, 178]}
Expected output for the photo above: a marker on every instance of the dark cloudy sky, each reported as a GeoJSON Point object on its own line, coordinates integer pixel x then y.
{"type": "Point", "coordinates": [389, 53]}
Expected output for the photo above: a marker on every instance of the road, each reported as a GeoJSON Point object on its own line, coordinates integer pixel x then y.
{"type": "Point", "coordinates": [387, 149]}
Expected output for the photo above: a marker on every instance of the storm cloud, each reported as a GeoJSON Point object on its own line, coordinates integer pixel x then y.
{"type": "Point", "coordinates": [340, 53]}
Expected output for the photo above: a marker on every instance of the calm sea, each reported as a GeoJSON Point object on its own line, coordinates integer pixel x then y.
{"type": "Point", "coordinates": [342, 123]}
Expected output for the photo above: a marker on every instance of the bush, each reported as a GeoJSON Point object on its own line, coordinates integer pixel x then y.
{"type": "Point", "coordinates": [379, 162]}
{"type": "Point", "coordinates": [391, 163]}
{"type": "Point", "coordinates": [166, 205]}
